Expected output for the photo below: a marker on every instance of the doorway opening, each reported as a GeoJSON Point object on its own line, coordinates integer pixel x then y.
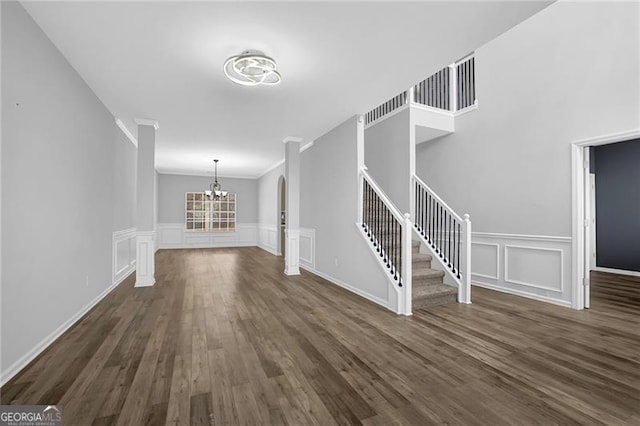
{"type": "Point", "coordinates": [588, 210]}
{"type": "Point", "coordinates": [281, 220]}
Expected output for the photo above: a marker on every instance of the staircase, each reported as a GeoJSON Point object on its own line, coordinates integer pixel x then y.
{"type": "Point", "coordinates": [428, 288]}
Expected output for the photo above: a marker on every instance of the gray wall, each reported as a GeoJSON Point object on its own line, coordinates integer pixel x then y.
{"type": "Point", "coordinates": [552, 80]}
{"type": "Point", "coordinates": [172, 188]}
{"type": "Point", "coordinates": [57, 189]}
{"type": "Point", "coordinates": [124, 183]}
{"type": "Point", "coordinates": [268, 196]}
{"type": "Point", "coordinates": [329, 197]}
{"type": "Point", "coordinates": [386, 155]}
{"type": "Point", "coordinates": [617, 169]}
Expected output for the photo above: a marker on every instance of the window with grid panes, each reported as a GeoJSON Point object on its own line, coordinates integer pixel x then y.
{"type": "Point", "coordinates": [203, 214]}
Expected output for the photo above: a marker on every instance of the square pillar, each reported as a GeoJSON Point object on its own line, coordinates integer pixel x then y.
{"type": "Point", "coordinates": [292, 228]}
{"type": "Point", "coordinates": [145, 232]}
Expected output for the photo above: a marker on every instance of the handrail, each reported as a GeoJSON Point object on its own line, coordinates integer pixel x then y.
{"type": "Point", "coordinates": [437, 198]}
{"type": "Point", "coordinates": [388, 233]}
{"type": "Point", "coordinates": [392, 208]}
{"type": "Point", "coordinates": [450, 90]}
{"type": "Point", "coordinates": [445, 233]}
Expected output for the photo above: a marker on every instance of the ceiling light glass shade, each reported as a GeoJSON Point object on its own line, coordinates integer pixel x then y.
{"type": "Point", "coordinates": [252, 68]}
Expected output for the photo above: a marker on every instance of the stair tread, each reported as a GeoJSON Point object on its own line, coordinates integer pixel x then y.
{"type": "Point", "coordinates": [427, 273]}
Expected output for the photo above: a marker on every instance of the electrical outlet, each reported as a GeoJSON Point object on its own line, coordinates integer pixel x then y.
{"type": "Point", "coordinates": [86, 283]}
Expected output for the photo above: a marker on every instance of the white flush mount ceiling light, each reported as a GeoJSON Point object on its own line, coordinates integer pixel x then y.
{"type": "Point", "coordinates": [252, 68]}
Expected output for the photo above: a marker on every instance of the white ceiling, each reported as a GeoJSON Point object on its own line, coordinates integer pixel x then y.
{"type": "Point", "coordinates": [163, 60]}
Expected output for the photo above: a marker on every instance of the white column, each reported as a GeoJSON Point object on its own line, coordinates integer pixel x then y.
{"type": "Point", "coordinates": [145, 235]}
{"type": "Point", "coordinates": [292, 227]}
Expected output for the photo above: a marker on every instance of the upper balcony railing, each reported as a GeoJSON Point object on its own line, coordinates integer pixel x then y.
{"type": "Point", "coordinates": [451, 89]}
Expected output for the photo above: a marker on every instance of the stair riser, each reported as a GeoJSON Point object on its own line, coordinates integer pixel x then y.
{"type": "Point", "coordinates": [435, 301]}
{"type": "Point", "coordinates": [419, 281]}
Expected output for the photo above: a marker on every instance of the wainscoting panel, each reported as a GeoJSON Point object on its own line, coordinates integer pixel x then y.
{"type": "Point", "coordinates": [174, 235]}
{"type": "Point", "coordinates": [485, 260]}
{"type": "Point", "coordinates": [124, 254]}
{"type": "Point", "coordinates": [308, 248]}
{"type": "Point", "coordinates": [268, 238]}
{"type": "Point", "coordinates": [534, 266]}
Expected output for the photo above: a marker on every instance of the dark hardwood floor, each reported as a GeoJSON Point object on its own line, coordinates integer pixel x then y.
{"type": "Point", "coordinates": [225, 338]}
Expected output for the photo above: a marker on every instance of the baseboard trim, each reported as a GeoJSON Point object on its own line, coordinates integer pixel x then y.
{"type": "Point", "coordinates": [268, 249]}
{"type": "Point", "coordinates": [348, 287]}
{"type": "Point", "coordinates": [616, 271]}
{"type": "Point", "coordinates": [201, 246]}
{"type": "Point", "coordinates": [21, 363]}
{"type": "Point", "coordinates": [528, 295]}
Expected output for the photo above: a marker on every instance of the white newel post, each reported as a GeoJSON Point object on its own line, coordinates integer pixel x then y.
{"type": "Point", "coordinates": [453, 87]}
{"type": "Point", "coordinates": [145, 252]}
{"type": "Point", "coordinates": [406, 296]}
{"type": "Point", "coordinates": [465, 292]}
{"type": "Point", "coordinates": [292, 222]}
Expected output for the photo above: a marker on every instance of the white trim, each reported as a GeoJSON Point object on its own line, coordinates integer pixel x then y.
{"type": "Point", "coordinates": [308, 234]}
{"type": "Point", "coordinates": [610, 138]}
{"type": "Point", "coordinates": [522, 237]}
{"type": "Point", "coordinates": [126, 132]}
{"type": "Point", "coordinates": [267, 238]}
{"type": "Point", "coordinates": [431, 109]}
{"type": "Point", "coordinates": [578, 209]}
{"type": "Point", "coordinates": [292, 139]}
{"type": "Point", "coordinates": [292, 251]}
{"type": "Point", "coordinates": [21, 363]}
{"type": "Point", "coordinates": [348, 287]}
{"type": "Point", "coordinates": [272, 168]}
{"type": "Point", "coordinates": [463, 111]}
{"type": "Point", "coordinates": [208, 174]}
{"type": "Point", "coordinates": [532, 285]}
{"type": "Point", "coordinates": [497, 246]}
{"type": "Point", "coordinates": [129, 236]}
{"type": "Point", "coordinates": [281, 162]}
{"type": "Point", "coordinates": [147, 122]}
{"type": "Point", "coordinates": [387, 115]}
{"type": "Point", "coordinates": [616, 271]}
{"type": "Point", "coordinates": [145, 259]}
{"type": "Point", "coordinates": [175, 236]}
{"type": "Point", "coordinates": [521, 293]}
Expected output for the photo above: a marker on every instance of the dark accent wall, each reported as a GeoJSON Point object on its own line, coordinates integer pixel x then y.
{"type": "Point", "coordinates": [617, 169]}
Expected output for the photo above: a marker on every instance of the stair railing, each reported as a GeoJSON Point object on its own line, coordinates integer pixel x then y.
{"type": "Point", "coordinates": [446, 234]}
{"type": "Point", "coordinates": [388, 232]}
{"type": "Point", "coordinates": [451, 89]}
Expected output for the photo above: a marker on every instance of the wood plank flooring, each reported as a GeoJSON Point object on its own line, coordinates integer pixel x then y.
{"type": "Point", "coordinates": [224, 337]}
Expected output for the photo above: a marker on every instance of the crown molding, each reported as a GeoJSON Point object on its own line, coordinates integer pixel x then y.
{"type": "Point", "coordinates": [281, 162]}
{"type": "Point", "coordinates": [184, 172]}
{"type": "Point", "coordinates": [126, 132]}
{"type": "Point", "coordinates": [292, 139]}
{"type": "Point", "coordinates": [272, 168]}
{"type": "Point", "coordinates": [147, 122]}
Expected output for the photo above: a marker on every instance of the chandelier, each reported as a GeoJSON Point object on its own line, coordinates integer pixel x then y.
{"type": "Point", "coordinates": [215, 189]}
{"type": "Point", "coordinates": [252, 68]}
